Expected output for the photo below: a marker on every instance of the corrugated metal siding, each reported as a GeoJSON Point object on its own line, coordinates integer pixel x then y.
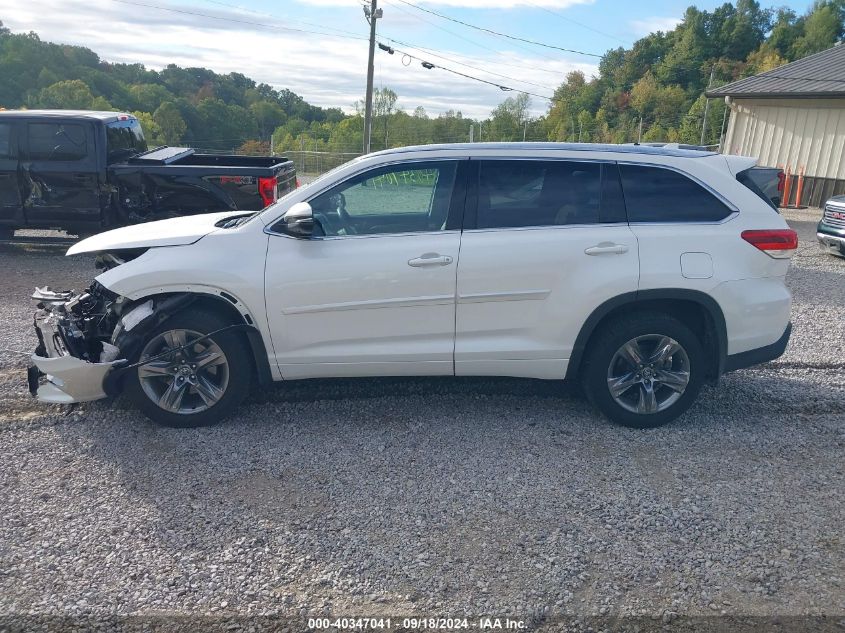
{"type": "Point", "coordinates": [795, 132]}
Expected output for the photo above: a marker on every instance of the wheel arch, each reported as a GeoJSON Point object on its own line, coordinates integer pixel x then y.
{"type": "Point", "coordinates": [695, 308]}
{"type": "Point", "coordinates": [222, 303]}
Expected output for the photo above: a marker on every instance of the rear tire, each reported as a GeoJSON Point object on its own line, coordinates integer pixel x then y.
{"type": "Point", "coordinates": [198, 386]}
{"type": "Point", "coordinates": [645, 370]}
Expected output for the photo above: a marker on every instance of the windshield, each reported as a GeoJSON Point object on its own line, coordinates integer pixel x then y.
{"type": "Point", "coordinates": [125, 138]}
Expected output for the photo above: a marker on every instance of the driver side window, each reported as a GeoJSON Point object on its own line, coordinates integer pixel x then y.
{"type": "Point", "coordinates": [409, 198]}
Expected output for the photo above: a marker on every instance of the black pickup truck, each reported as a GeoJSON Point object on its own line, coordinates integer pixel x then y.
{"type": "Point", "coordinates": [86, 171]}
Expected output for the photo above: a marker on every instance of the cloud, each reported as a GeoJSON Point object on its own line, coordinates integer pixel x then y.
{"type": "Point", "coordinates": [656, 23]}
{"type": "Point", "coordinates": [325, 71]}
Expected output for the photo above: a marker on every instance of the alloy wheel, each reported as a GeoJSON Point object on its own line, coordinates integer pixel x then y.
{"type": "Point", "coordinates": [648, 374]}
{"type": "Point", "coordinates": [183, 380]}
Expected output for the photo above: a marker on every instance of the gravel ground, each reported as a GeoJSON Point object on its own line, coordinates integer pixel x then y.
{"type": "Point", "coordinates": [432, 497]}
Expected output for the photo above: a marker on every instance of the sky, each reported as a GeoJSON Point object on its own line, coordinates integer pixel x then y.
{"type": "Point", "coordinates": [318, 48]}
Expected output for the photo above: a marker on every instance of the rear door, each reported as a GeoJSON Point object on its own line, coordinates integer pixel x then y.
{"type": "Point", "coordinates": [10, 192]}
{"type": "Point", "coordinates": [546, 242]}
{"type": "Point", "coordinates": [60, 173]}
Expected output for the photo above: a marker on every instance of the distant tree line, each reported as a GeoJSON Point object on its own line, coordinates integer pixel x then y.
{"type": "Point", "coordinates": [658, 84]}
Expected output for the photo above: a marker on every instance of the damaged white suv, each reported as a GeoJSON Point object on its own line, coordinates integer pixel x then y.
{"type": "Point", "coordinates": [644, 272]}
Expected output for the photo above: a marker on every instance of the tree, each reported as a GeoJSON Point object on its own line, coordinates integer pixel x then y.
{"type": "Point", "coordinates": [71, 94]}
{"type": "Point", "coordinates": [268, 116]}
{"type": "Point", "coordinates": [152, 131]}
{"type": "Point", "coordinates": [822, 29]}
{"type": "Point", "coordinates": [170, 122]}
{"type": "Point", "coordinates": [509, 117]}
{"type": "Point", "coordinates": [148, 97]}
{"type": "Point", "coordinates": [384, 102]}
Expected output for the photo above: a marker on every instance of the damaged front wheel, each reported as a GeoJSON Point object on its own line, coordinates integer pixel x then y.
{"type": "Point", "coordinates": [187, 379]}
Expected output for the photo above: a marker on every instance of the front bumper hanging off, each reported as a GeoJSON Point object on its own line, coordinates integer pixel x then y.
{"type": "Point", "coordinates": [57, 376]}
{"type": "Point", "coordinates": [67, 379]}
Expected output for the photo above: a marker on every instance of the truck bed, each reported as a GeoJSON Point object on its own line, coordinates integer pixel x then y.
{"type": "Point", "coordinates": [176, 180]}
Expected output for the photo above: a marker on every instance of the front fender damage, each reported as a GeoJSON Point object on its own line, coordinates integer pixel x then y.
{"type": "Point", "coordinates": [85, 338]}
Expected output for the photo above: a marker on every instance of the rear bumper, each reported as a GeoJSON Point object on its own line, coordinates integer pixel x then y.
{"type": "Point", "coordinates": [760, 355]}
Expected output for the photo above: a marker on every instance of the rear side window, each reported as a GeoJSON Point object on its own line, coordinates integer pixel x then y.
{"type": "Point", "coordinates": [5, 140]}
{"type": "Point", "coordinates": [765, 183]}
{"type": "Point", "coordinates": [522, 193]}
{"type": "Point", "coordinates": [125, 138]}
{"type": "Point", "coordinates": [655, 194]}
{"type": "Point", "coordinates": [56, 141]}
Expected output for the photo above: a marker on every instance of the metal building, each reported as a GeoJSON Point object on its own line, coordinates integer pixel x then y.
{"type": "Point", "coordinates": [793, 117]}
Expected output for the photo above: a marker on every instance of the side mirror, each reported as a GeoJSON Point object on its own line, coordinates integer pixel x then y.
{"type": "Point", "coordinates": [298, 221]}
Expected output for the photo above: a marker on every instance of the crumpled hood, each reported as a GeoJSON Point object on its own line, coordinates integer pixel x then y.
{"type": "Point", "coordinates": [173, 232]}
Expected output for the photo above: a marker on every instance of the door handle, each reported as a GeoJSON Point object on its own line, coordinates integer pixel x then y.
{"type": "Point", "coordinates": [430, 259]}
{"type": "Point", "coordinates": [607, 248]}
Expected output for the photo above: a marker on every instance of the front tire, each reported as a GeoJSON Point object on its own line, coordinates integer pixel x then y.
{"type": "Point", "coordinates": [196, 386]}
{"type": "Point", "coordinates": [644, 371]}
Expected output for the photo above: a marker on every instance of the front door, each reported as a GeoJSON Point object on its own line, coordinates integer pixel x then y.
{"type": "Point", "coordinates": [60, 175]}
{"type": "Point", "coordinates": [546, 243]}
{"type": "Point", "coordinates": [374, 293]}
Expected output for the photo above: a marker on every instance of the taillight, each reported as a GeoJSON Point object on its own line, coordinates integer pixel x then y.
{"type": "Point", "coordinates": [267, 189]}
{"type": "Point", "coordinates": [781, 181]}
{"type": "Point", "coordinates": [778, 243]}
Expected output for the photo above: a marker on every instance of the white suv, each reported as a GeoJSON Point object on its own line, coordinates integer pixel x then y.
{"type": "Point", "coordinates": [641, 271]}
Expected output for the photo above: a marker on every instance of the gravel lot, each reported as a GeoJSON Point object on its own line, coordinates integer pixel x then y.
{"type": "Point", "coordinates": [432, 497]}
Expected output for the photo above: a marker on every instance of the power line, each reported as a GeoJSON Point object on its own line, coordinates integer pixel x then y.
{"type": "Point", "coordinates": [231, 19]}
{"type": "Point", "coordinates": [428, 65]}
{"type": "Point", "coordinates": [453, 54]}
{"type": "Point", "coordinates": [450, 32]}
{"type": "Point", "coordinates": [576, 22]}
{"type": "Point", "coordinates": [416, 15]}
{"type": "Point", "coordinates": [497, 33]}
{"type": "Point", "coordinates": [432, 53]}
{"type": "Point", "coordinates": [489, 72]}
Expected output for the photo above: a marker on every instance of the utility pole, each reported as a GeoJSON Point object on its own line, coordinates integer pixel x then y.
{"type": "Point", "coordinates": [372, 14]}
{"type": "Point", "coordinates": [580, 129]}
{"type": "Point", "coordinates": [640, 137]}
{"type": "Point", "coordinates": [471, 132]}
{"type": "Point", "coordinates": [525, 131]}
{"type": "Point", "coordinates": [707, 105]}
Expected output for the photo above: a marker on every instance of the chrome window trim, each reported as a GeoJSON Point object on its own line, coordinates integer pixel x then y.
{"type": "Point", "coordinates": [398, 161]}
{"type": "Point", "coordinates": [733, 215]}
{"type": "Point", "coordinates": [539, 227]}
{"type": "Point", "coordinates": [328, 238]}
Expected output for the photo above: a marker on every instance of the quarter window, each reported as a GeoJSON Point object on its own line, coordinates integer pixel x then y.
{"type": "Point", "coordinates": [654, 194]}
{"type": "Point", "coordinates": [522, 193]}
{"type": "Point", "coordinates": [56, 142]}
{"type": "Point", "coordinates": [408, 198]}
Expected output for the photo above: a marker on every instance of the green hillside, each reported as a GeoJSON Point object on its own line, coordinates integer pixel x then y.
{"type": "Point", "coordinates": [660, 81]}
